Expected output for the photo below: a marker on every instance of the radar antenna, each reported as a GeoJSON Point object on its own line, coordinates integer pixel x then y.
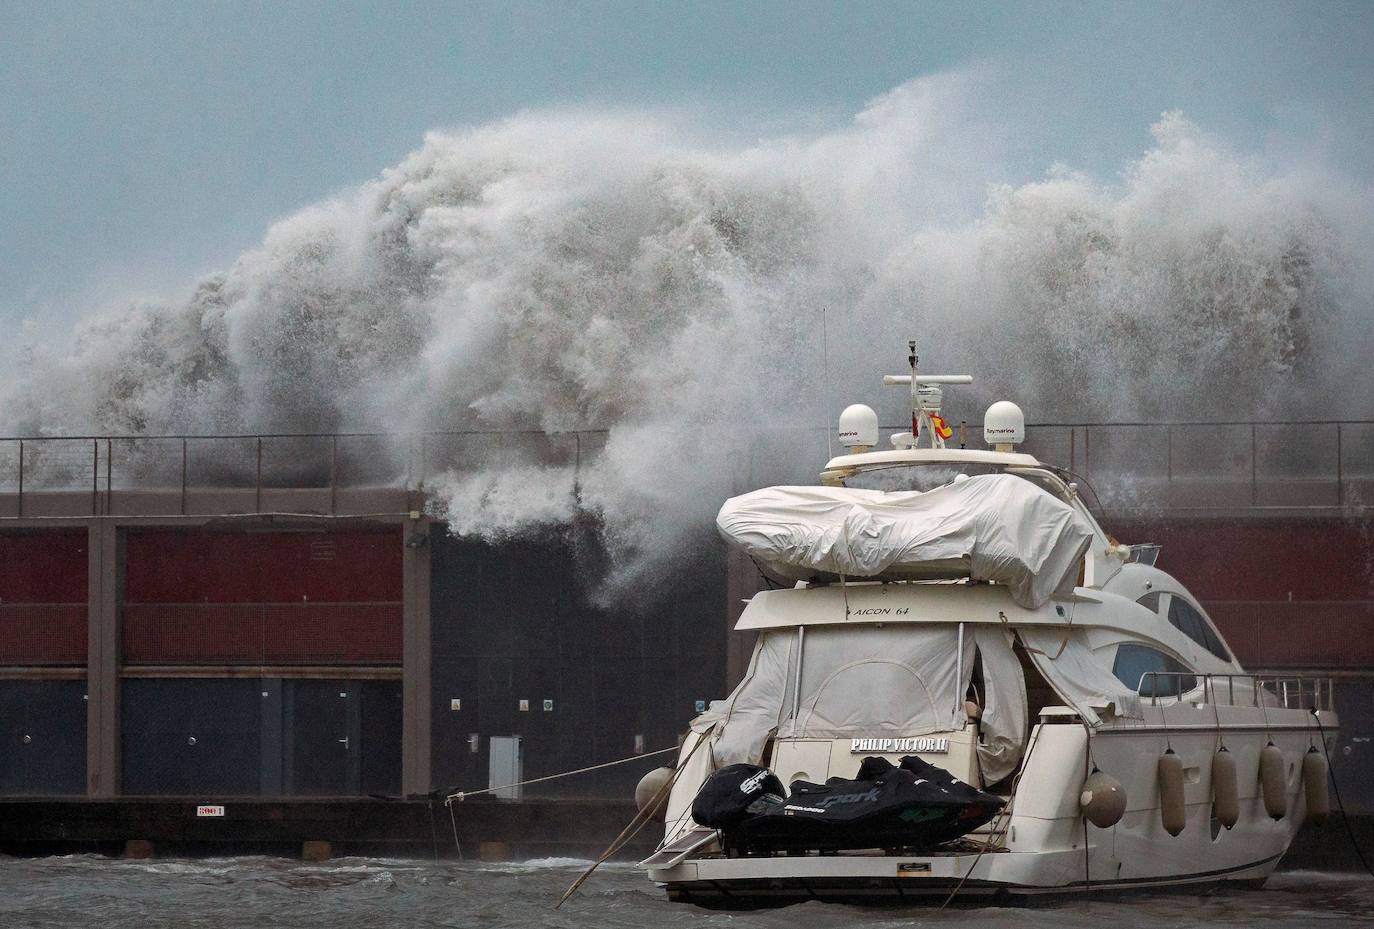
{"type": "Point", "coordinates": [926, 395]}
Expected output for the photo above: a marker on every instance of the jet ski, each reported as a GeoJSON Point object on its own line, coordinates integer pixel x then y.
{"type": "Point", "coordinates": [914, 805]}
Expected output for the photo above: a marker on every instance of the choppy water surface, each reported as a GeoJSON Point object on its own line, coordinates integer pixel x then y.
{"type": "Point", "coordinates": [358, 892]}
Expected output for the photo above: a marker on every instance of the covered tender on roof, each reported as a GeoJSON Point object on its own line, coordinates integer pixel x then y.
{"type": "Point", "coordinates": [994, 527]}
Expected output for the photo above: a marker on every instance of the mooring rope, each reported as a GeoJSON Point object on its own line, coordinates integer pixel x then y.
{"type": "Point", "coordinates": [996, 823]}
{"type": "Point", "coordinates": [453, 821]}
{"type": "Point", "coordinates": [464, 794]}
{"type": "Point", "coordinates": [641, 819]}
{"type": "Point", "coordinates": [1331, 773]}
{"type": "Point", "coordinates": [1088, 766]}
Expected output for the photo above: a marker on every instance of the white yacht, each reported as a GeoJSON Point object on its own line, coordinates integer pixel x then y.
{"type": "Point", "coordinates": [986, 623]}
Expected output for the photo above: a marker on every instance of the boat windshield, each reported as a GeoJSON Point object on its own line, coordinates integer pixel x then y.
{"type": "Point", "coordinates": [923, 476]}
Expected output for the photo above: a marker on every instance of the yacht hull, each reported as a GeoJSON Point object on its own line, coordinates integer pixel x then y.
{"type": "Point", "coordinates": [1038, 848]}
{"type": "Point", "coordinates": [740, 883]}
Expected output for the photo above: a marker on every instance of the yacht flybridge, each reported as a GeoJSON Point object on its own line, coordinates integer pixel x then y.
{"type": "Point", "coordinates": [962, 683]}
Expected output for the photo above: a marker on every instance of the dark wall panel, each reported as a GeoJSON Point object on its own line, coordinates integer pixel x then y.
{"type": "Point", "coordinates": [379, 738]}
{"type": "Point", "coordinates": [453, 761]}
{"type": "Point", "coordinates": [526, 621]}
{"type": "Point", "coordinates": [42, 738]}
{"type": "Point", "coordinates": [253, 737]}
{"type": "Point", "coordinates": [1352, 761]}
{"type": "Point", "coordinates": [321, 740]}
{"type": "Point", "coordinates": [191, 737]}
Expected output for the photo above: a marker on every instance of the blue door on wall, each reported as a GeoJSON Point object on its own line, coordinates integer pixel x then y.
{"type": "Point", "coordinates": [42, 738]}
{"type": "Point", "coordinates": [191, 737]}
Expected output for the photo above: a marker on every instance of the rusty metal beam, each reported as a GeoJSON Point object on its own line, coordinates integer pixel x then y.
{"type": "Point", "coordinates": [284, 672]}
{"type": "Point", "coordinates": [104, 580]}
{"type": "Point", "coordinates": [415, 660]}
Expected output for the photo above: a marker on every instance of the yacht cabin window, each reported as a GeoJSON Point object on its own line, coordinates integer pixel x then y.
{"type": "Point", "coordinates": [1184, 617]}
{"type": "Point", "coordinates": [1134, 665]}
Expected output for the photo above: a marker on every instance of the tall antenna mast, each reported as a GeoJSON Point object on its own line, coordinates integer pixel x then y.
{"type": "Point", "coordinates": [913, 358]}
{"type": "Point", "coordinates": [825, 385]}
{"type": "Point", "coordinates": [925, 399]}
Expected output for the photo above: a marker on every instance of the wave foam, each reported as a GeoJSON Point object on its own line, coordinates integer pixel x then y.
{"type": "Point", "coordinates": [569, 270]}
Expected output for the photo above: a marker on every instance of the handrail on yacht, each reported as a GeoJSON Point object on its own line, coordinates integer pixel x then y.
{"type": "Point", "coordinates": [1315, 693]}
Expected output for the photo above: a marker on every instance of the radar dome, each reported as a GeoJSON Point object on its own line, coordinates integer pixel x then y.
{"type": "Point", "coordinates": [858, 428]}
{"type": "Point", "coordinates": [1004, 425]}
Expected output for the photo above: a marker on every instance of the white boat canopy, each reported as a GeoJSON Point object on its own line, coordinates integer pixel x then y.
{"type": "Point", "coordinates": [993, 527]}
{"type": "Point", "coordinates": [867, 681]}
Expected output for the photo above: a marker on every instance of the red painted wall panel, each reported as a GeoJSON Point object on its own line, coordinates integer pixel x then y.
{"type": "Point", "coordinates": [218, 597]}
{"type": "Point", "coordinates": [271, 634]}
{"type": "Point", "coordinates": [42, 634]}
{"type": "Point", "coordinates": [1252, 559]}
{"type": "Point", "coordinates": [1285, 593]}
{"type": "Point", "coordinates": [43, 597]}
{"type": "Point", "coordinates": [193, 566]}
{"type": "Point", "coordinates": [43, 566]}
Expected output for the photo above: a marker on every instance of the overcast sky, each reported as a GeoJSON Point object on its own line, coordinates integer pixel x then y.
{"type": "Point", "coordinates": [142, 144]}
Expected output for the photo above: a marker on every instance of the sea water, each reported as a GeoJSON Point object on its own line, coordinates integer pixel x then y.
{"type": "Point", "coordinates": [259, 893]}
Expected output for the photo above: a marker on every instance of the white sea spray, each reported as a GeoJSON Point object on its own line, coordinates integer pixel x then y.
{"type": "Point", "coordinates": [611, 271]}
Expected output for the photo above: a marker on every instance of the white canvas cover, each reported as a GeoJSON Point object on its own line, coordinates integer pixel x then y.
{"type": "Point", "coordinates": [696, 764]}
{"type": "Point", "coordinates": [994, 527]}
{"type": "Point", "coordinates": [1003, 725]}
{"type": "Point", "coordinates": [861, 681]}
{"type": "Point", "coordinates": [879, 680]}
{"type": "Point", "coordinates": [1077, 675]}
{"type": "Point", "coordinates": [749, 716]}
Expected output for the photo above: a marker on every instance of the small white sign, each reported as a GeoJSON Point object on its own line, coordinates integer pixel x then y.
{"type": "Point", "coordinates": [209, 811]}
{"type": "Point", "coordinates": [524, 706]}
{"type": "Point", "coordinates": [455, 704]}
{"type": "Point", "coordinates": [548, 706]}
{"type": "Point", "coordinates": [893, 746]}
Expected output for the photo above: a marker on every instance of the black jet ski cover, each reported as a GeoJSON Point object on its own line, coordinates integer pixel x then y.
{"type": "Point", "coordinates": [726, 796]}
{"type": "Point", "coordinates": [916, 805]}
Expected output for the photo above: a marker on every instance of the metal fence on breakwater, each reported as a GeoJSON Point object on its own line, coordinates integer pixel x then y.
{"type": "Point", "coordinates": [1201, 466]}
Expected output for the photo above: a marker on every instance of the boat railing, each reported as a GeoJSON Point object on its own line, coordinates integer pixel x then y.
{"type": "Point", "coordinates": [1302, 693]}
{"type": "Point", "coordinates": [1295, 692]}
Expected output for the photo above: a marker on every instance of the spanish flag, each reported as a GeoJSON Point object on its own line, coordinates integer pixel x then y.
{"type": "Point", "coordinates": [941, 427]}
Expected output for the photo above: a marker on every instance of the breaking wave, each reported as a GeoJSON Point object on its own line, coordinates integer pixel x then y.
{"type": "Point", "coordinates": [611, 271]}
